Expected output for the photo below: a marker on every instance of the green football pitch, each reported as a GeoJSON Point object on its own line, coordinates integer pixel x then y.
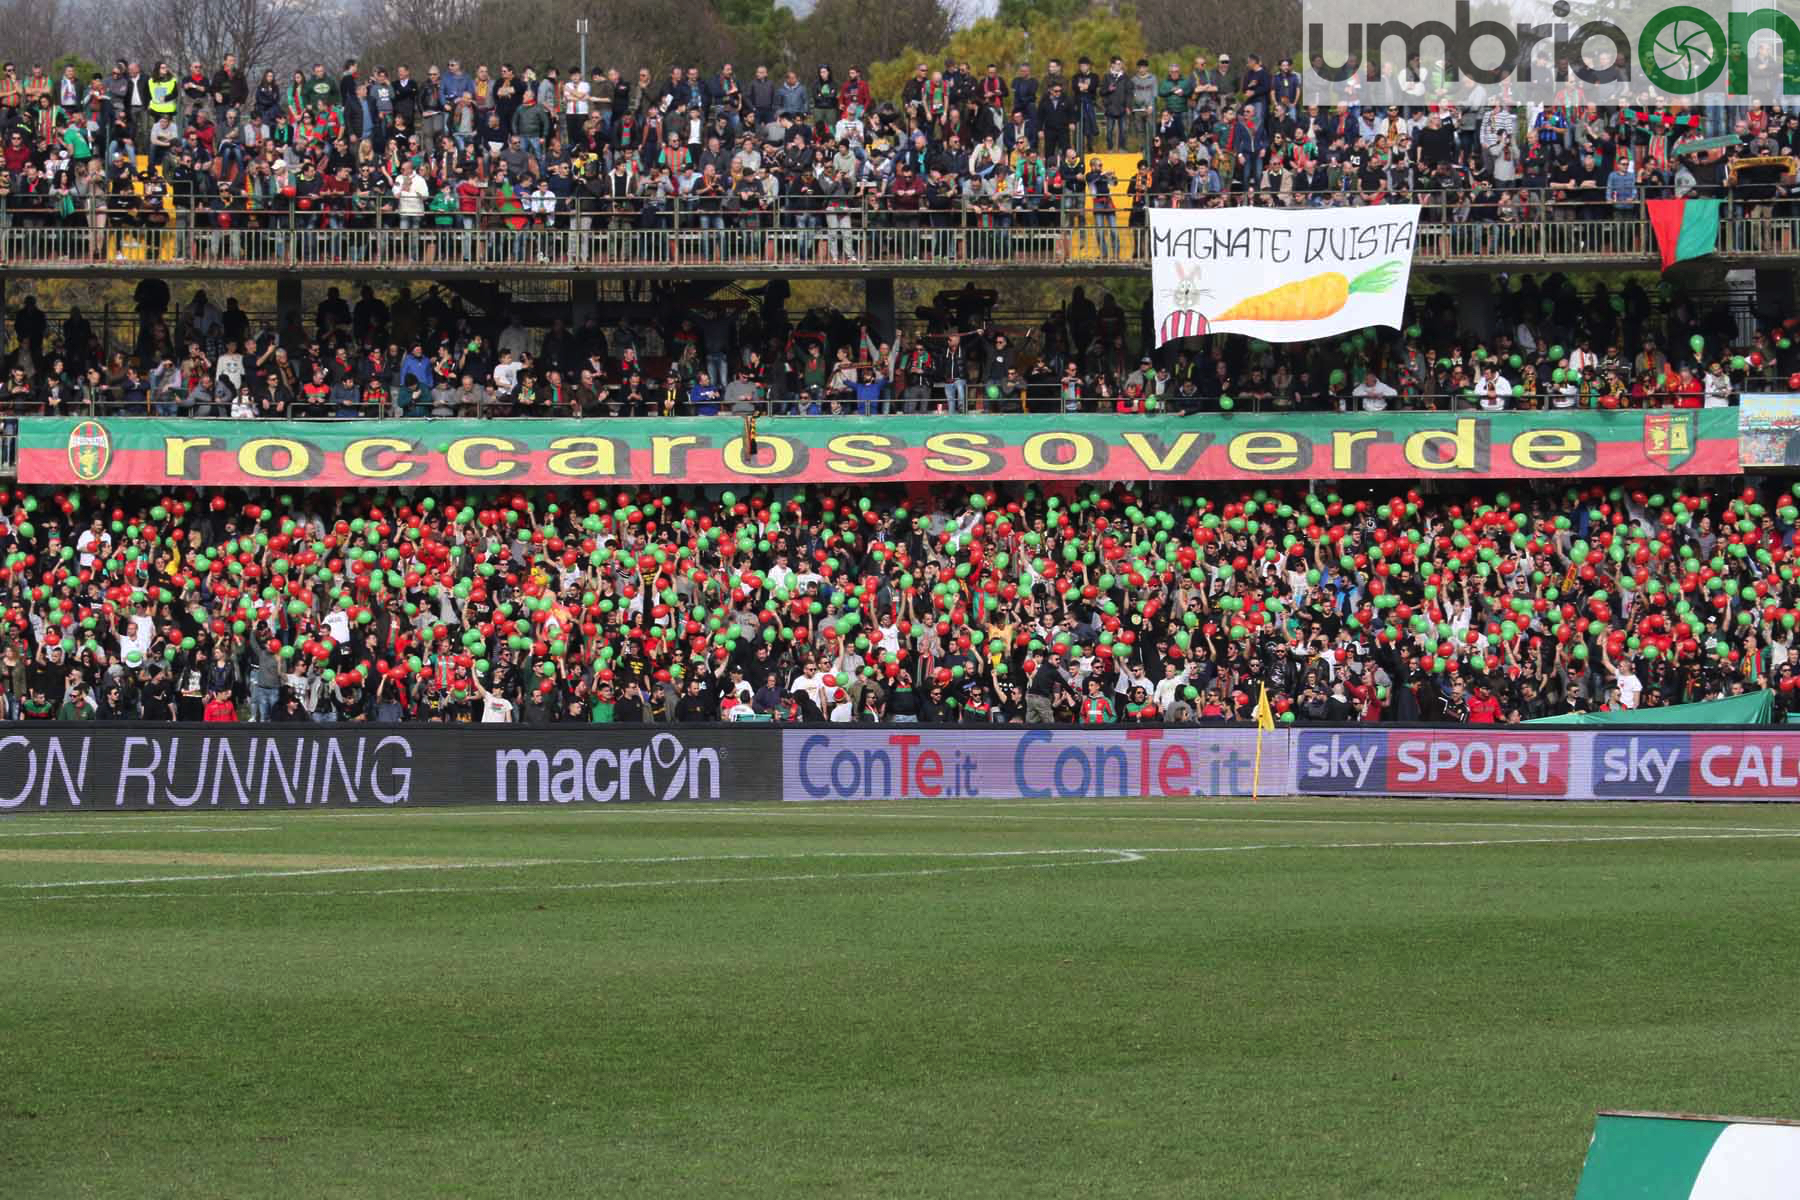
{"type": "Point", "coordinates": [1288, 999]}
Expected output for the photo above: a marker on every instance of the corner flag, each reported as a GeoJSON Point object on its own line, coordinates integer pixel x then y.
{"type": "Point", "coordinates": [1265, 720]}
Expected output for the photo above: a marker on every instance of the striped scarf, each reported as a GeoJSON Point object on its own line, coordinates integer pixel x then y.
{"type": "Point", "coordinates": [1651, 119]}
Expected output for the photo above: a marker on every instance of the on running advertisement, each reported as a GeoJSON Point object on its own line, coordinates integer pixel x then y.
{"type": "Point", "coordinates": [81, 767]}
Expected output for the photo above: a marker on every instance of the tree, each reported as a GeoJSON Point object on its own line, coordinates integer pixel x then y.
{"type": "Point", "coordinates": [1025, 12]}
{"type": "Point", "coordinates": [85, 69]}
{"type": "Point", "coordinates": [857, 33]}
{"type": "Point", "coordinates": [1097, 33]}
{"type": "Point", "coordinates": [35, 32]}
{"type": "Point", "coordinates": [261, 33]}
{"type": "Point", "coordinates": [419, 31]}
{"type": "Point", "coordinates": [627, 34]}
{"type": "Point", "coordinates": [764, 29]}
{"type": "Point", "coordinates": [1270, 29]}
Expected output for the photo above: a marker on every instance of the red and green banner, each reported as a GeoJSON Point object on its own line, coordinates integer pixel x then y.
{"type": "Point", "coordinates": [158, 452]}
{"type": "Point", "coordinates": [1684, 228]}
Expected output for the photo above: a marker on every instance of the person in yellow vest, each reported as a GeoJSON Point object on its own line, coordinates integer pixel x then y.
{"type": "Point", "coordinates": [1096, 709]}
{"type": "Point", "coordinates": [164, 94]}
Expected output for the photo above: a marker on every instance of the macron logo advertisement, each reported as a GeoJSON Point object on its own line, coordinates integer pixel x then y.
{"type": "Point", "coordinates": [1011, 762]}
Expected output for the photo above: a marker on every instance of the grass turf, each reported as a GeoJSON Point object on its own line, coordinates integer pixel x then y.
{"type": "Point", "coordinates": [1291, 1000]}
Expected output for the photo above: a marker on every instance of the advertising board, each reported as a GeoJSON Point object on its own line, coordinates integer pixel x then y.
{"type": "Point", "coordinates": [76, 767]}
{"type": "Point", "coordinates": [1022, 762]}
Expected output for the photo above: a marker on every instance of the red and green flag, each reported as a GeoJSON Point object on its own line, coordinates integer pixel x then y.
{"type": "Point", "coordinates": [1684, 228]}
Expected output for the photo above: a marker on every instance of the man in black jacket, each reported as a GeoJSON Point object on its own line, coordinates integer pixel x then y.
{"type": "Point", "coordinates": [953, 370]}
{"type": "Point", "coordinates": [1055, 116]}
{"type": "Point", "coordinates": [228, 88]}
{"type": "Point", "coordinates": [1115, 97]}
{"type": "Point", "coordinates": [1085, 95]}
{"type": "Point", "coordinates": [695, 705]}
{"type": "Point", "coordinates": [1040, 693]}
{"type": "Point", "coordinates": [760, 97]}
{"type": "Point", "coordinates": [935, 710]}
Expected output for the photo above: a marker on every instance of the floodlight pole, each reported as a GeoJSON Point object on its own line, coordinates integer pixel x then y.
{"type": "Point", "coordinates": [581, 27]}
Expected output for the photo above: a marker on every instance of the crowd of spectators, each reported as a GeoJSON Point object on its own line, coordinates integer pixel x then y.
{"type": "Point", "coordinates": [523, 146]}
{"type": "Point", "coordinates": [1548, 344]}
{"type": "Point", "coordinates": [1017, 603]}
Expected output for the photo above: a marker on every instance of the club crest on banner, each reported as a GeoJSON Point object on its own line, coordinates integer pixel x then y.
{"type": "Point", "coordinates": [1669, 438]}
{"type": "Point", "coordinates": [90, 451]}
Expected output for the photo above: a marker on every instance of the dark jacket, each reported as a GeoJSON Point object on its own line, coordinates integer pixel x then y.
{"type": "Point", "coordinates": [1115, 91]}
{"type": "Point", "coordinates": [759, 94]}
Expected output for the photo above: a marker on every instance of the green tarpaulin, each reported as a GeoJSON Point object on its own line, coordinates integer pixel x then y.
{"type": "Point", "coordinates": [1754, 708]}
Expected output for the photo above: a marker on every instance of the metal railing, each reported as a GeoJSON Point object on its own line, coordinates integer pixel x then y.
{"type": "Point", "coordinates": [541, 249]}
{"type": "Point", "coordinates": [482, 402]}
{"type": "Point", "coordinates": [802, 240]}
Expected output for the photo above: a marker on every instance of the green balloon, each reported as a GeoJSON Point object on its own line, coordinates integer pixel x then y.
{"type": "Point", "coordinates": [1697, 344]}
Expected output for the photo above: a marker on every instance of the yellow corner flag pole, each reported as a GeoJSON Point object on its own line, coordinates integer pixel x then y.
{"type": "Point", "coordinates": [1265, 720]}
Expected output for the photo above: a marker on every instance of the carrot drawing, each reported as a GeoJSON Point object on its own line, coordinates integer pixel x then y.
{"type": "Point", "coordinates": [1310, 299]}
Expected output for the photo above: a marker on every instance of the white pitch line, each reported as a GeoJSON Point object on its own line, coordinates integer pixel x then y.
{"type": "Point", "coordinates": [374, 869]}
{"type": "Point", "coordinates": [997, 811]}
{"type": "Point", "coordinates": [1122, 855]}
{"type": "Point", "coordinates": [997, 808]}
{"type": "Point", "coordinates": [1544, 841]}
{"type": "Point", "coordinates": [515, 864]}
{"type": "Point", "coordinates": [1395, 824]}
{"type": "Point", "coordinates": [139, 830]}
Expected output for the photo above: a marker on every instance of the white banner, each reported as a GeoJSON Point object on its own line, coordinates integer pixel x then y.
{"type": "Point", "coordinates": [1280, 274]}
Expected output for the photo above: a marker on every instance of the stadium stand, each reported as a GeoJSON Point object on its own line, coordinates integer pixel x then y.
{"type": "Point", "coordinates": [1010, 604]}
{"type": "Point", "coordinates": [1007, 604]}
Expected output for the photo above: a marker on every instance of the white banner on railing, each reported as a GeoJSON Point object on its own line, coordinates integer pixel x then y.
{"type": "Point", "coordinates": [1283, 275]}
